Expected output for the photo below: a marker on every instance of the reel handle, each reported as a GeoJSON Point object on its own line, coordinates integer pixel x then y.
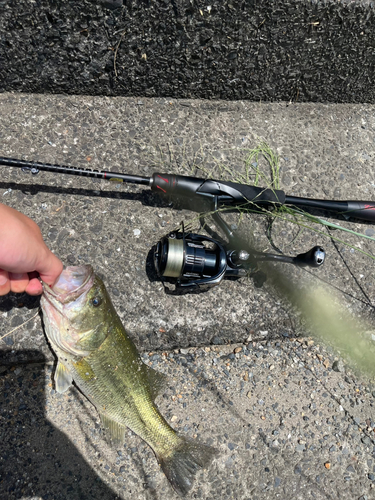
{"type": "Point", "coordinates": [313, 258]}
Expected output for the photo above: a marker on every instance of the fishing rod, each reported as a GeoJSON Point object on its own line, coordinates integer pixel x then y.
{"type": "Point", "coordinates": [193, 261]}
{"type": "Point", "coordinates": [218, 193]}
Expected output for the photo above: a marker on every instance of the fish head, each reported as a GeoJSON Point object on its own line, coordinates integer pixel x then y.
{"type": "Point", "coordinates": [76, 311]}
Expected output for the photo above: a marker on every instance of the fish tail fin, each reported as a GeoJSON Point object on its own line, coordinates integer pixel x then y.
{"type": "Point", "coordinates": [183, 463]}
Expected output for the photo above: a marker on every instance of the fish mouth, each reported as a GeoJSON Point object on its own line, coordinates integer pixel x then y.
{"type": "Point", "coordinates": [71, 284]}
{"type": "Point", "coordinates": [66, 296]}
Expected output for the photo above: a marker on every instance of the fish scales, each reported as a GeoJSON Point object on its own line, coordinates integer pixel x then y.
{"type": "Point", "coordinates": [94, 351]}
{"type": "Point", "coordinates": [115, 385]}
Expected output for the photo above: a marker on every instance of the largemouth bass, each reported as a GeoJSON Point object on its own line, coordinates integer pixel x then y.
{"type": "Point", "coordinates": [94, 351]}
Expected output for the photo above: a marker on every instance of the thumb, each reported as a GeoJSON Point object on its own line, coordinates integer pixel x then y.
{"type": "Point", "coordinates": [49, 268]}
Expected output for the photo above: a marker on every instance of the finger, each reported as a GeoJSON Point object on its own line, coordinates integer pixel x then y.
{"type": "Point", "coordinates": [4, 282]}
{"type": "Point", "coordinates": [49, 268]}
{"type": "Point", "coordinates": [18, 282]}
{"type": "Point", "coordinates": [35, 286]}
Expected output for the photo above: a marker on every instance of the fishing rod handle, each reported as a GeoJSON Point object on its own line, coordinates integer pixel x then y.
{"type": "Point", "coordinates": [229, 193]}
{"type": "Point", "coordinates": [364, 210]}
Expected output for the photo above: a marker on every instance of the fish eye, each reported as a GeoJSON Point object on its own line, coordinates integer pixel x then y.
{"type": "Point", "coordinates": [96, 301]}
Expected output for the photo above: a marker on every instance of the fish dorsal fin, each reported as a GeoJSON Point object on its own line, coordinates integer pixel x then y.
{"type": "Point", "coordinates": [158, 381]}
{"type": "Point", "coordinates": [63, 378]}
{"type": "Point", "coordinates": [116, 431]}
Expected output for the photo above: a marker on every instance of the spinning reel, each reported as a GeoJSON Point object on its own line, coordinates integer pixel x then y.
{"type": "Point", "coordinates": [193, 261]}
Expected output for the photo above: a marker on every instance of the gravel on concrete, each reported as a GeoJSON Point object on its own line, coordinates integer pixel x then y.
{"type": "Point", "coordinates": [286, 426]}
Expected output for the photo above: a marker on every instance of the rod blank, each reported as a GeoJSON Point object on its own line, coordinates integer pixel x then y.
{"type": "Point", "coordinates": [83, 172]}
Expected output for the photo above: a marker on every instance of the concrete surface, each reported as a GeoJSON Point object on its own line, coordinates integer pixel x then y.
{"type": "Point", "coordinates": [285, 424]}
{"type": "Point", "coordinates": [325, 151]}
{"type": "Point", "coordinates": [321, 50]}
{"type": "Point", "coordinates": [322, 417]}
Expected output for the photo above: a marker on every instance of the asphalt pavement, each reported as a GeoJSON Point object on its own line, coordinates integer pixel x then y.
{"type": "Point", "coordinates": [290, 418]}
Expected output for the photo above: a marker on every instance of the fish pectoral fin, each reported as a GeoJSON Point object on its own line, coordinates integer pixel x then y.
{"type": "Point", "coordinates": [158, 381]}
{"type": "Point", "coordinates": [116, 431]}
{"type": "Point", "coordinates": [63, 378]}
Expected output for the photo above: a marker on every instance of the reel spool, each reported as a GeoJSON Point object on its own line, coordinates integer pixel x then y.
{"type": "Point", "coordinates": [191, 260]}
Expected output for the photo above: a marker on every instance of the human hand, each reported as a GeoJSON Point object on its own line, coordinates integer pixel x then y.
{"type": "Point", "coordinates": [23, 255]}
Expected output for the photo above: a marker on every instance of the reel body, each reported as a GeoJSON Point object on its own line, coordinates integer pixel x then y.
{"type": "Point", "coordinates": [192, 261]}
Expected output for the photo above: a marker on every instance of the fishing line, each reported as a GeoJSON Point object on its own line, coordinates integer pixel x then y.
{"type": "Point", "coordinates": [19, 326]}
